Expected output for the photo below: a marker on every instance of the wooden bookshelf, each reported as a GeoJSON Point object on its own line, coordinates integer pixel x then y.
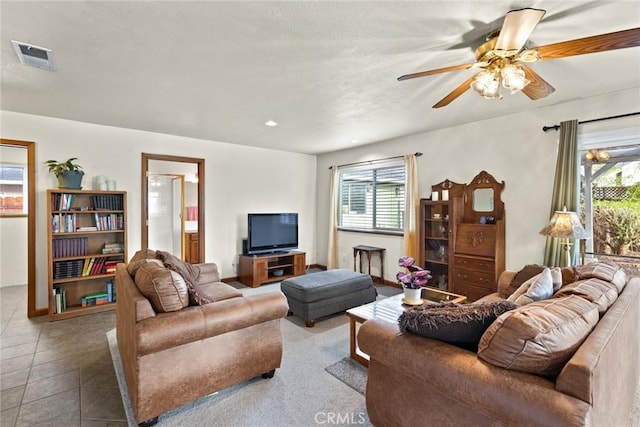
{"type": "Point", "coordinates": [86, 236]}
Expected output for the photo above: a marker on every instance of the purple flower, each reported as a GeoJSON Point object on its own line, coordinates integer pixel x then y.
{"type": "Point", "coordinates": [416, 276]}
{"type": "Point", "coordinates": [406, 261]}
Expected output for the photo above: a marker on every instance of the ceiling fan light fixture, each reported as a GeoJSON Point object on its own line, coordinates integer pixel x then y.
{"type": "Point", "coordinates": [513, 78]}
{"type": "Point", "coordinates": [487, 84]}
{"type": "Point", "coordinates": [596, 155]}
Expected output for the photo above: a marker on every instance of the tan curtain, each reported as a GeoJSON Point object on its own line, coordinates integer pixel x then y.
{"type": "Point", "coordinates": [412, 207]}
{"type": "Point", "coordinates": [565, 189]}
{"type": "Point", "coordinates": [332, 255]}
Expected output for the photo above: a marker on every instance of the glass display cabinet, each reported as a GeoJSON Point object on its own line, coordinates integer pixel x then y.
{"type": "Point", "coordinates": [438, 216]}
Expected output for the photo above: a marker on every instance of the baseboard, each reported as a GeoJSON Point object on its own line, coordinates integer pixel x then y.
{"type": "Point", "coordinates": [38, 312]}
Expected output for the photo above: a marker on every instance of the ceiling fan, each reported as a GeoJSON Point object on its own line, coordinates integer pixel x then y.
{"type": "Point", "coordinates": [503, 56]}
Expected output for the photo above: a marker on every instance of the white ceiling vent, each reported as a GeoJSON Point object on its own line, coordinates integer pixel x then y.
{"type": "Point", "coordinates": [35, 56]}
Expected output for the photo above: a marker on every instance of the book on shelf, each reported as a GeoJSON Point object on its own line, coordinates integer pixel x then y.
{"type": "Point", "coordinates": [68, 269]}
{"type": "Point", "coordinates": [69, 247]}
{"type": "Point", "coordinates": [97, 298]}
{"type": "Point", "coordinates": [110, 202]}
{"type": "Point", "coordinates": [64, 222]}
{"type": "Point", "coordinates": [110, 267]}
{"type": "Point", "coordinates": [62, 201]}
{"type": "Point", "coordinates": [59, 300]}
{"type": "Point", "coordinates": [97, 266]}
{"type": "Point", "coordinates": [113, 248]}
{"type": "Point", "coordinates": [111, 291]}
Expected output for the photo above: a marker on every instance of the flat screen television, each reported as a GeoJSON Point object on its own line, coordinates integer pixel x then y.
{"type": "Point", "coordinates": [272, 232]}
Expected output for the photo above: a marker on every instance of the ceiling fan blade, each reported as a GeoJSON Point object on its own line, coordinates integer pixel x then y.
{"type": "Point", "coordinates": [436, 71]}
{"type": "Point", "coordinates": [593, 44]}
{"type": "Point", "coordinates": [516, 29]}
{"type": "Point", "coordinates": [538, 87]}
{"type": "Point", "coordinates": [454, 93]}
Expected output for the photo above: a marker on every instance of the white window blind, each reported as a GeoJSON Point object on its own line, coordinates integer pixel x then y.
{"type": "Point", "coordinates": [372, 197]}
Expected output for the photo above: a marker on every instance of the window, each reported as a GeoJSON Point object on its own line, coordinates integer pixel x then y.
{"type": "Point", "coordinates": [13, 189]}
{"type": "Point", "coordinates": [372, 197]}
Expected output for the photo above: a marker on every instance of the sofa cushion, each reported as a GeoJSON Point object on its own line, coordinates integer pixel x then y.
{"type": "Point", "coordinates": [166, 290]}
{"type": "Point", "coordinates": [540, 337]}
{"type": "Point", "coordinates": [138, 259]}
{"type": "Point", "coordinates": [526, 273]}
{"type": "Point", "coordinates": [608, 271]}
{"type": "Point", "coordinates": [537, 288]}
{"type": "Point", "coordinates": [216, 291]}
{"type": "Point", "coordinates": [601, 293]}
{"type": "Point", "coordinates": [459, 324]}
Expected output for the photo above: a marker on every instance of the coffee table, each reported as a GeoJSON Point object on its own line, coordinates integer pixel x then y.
{"type": "Point", "coordinates": [388, 309]}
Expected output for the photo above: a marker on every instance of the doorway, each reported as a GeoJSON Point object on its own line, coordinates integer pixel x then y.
{"type": "Point", "coordinates": [166, 213]}
{"type": "Point", "coordinates": [27, 211]}
{"type": "Point", "coordinates": [173, 210]}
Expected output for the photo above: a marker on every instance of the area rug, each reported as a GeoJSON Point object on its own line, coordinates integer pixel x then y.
{"type": "Point", "coordinates": [117, 365]}
{"type": "Point", "coordinates": [349, 372]}
{"type": "Point", "coordinates": [302, 392]}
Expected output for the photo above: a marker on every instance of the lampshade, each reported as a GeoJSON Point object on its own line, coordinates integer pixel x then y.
{"type": "Point", "coordinates": [501, 72]}
{"type": "Point", "coordinates": [565, 224]}
{"type": "Point", "coordinates": [513, 78]}
{"type": "Point", "coordinates": [487, 84]}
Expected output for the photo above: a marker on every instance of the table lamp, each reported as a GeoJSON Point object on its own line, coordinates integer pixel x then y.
{"type": "Point", "coordinates": [565, 225]}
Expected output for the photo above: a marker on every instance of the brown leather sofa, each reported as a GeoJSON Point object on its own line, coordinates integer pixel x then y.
{"type": "Point", "coordinates": [173, 358]}
{"type": "Point", "coordinates": [414, 380]}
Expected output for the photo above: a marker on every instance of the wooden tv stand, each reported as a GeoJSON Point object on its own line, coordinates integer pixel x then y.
{"type": "Point", "coordinates": [256, 270]}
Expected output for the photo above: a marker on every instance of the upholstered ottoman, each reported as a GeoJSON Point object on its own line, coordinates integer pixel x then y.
{"type": "Point", "coordinates": [320, 294]}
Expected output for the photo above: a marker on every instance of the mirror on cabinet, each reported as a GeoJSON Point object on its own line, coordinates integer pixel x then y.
{"type": "Point", "coordinates": [483, 200]}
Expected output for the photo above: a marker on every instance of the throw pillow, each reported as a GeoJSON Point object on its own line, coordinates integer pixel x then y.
{"type": "Point", "coordinates": [537, 288]}
{"type": "Point", "coordinates": [540, 337]}
{"type": "Point", "coordinates": [459, 324]}
{"type": "Point", "coordinates": [527, 272]}
{"type": "Point", "coordinates": [138, 259]}
{"type": "Point", "coordinates": [190, 273]}
{"type": "Point", "coordinates": [166, 290]}
{"type": "Point", "coordinates": [609, 271]}
{"type": "Point", "coordinates": [556, 278]}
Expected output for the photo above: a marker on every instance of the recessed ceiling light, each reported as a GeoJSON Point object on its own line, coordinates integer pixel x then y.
{"type": "Point", "coordinates": [271, 123]}
{"type": "Point", "coordinates": [354, 141]}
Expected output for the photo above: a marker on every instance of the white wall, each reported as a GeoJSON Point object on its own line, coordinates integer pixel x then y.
{"type": "Point", "coordinates": [238, 179]}
{"type": "Point", "coordinates": [512, 148]}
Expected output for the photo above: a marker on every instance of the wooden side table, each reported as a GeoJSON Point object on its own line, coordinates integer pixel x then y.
{"type": "Point", "coordinates": [369, 250]}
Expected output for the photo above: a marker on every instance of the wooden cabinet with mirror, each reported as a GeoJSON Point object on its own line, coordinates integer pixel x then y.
{"type": "Point", "coordinates": [479, 243]}
{"type": "Point", "coordinates": [437, 220]}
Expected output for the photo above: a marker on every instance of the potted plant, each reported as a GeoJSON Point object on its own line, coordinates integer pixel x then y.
{"type": "Point", "coordinates": [69, 174]}
{"type": "Point", "coordinates": [413, 278]}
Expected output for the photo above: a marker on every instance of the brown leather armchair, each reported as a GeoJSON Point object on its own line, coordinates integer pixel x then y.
{"type": "Point", "coordinates": [173, 358]}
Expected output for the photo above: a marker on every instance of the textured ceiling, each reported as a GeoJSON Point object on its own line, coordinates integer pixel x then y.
{"type": "Point", "coordinates": [325, 71]}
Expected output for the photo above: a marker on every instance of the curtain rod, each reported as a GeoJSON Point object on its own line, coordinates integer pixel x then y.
{"type": "Point", "coordinates": [417, 154]}
{"type": "Point", "coordinates": [556, 127]}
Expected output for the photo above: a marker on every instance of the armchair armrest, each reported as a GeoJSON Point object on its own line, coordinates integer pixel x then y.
{"type": "Point", "coordinates": [498, 393]}
{"type": "Point", "coordinates": [208, 273]}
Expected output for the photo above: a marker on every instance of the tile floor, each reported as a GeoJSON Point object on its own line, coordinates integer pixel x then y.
{"type": "Point", "coordinates": [55, 373]}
